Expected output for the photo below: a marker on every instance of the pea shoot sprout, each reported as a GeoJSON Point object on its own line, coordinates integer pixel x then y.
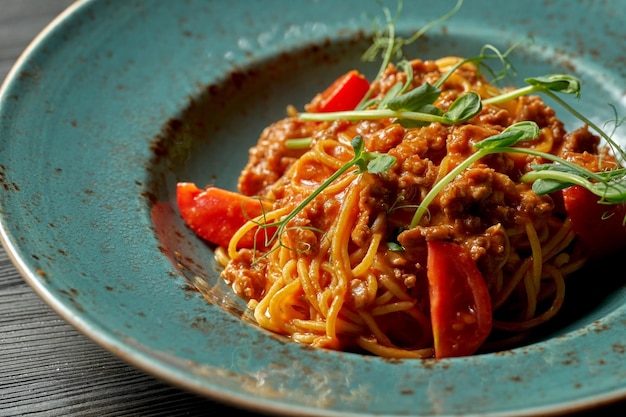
{"type": "Point", "coordinates": [363, 161]}
{"type": "Point", "coordinates": [415, 108]}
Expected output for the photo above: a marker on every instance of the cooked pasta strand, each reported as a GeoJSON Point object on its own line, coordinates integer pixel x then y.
{"type": "Point", "coordinates": [348, 270]}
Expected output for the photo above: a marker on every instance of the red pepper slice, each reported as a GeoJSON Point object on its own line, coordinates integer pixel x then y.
{"type": "Point", "coordinates": [460, 304]}
{"type": "Point", "coordinates": [216, 214]}
{"type": "Point", "coordinates": [599, 227]}
{"type": "Point", "coordinates": [343, 94]}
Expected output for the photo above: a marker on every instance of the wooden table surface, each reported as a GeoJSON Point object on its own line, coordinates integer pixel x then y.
{"type": "Point", "coordinates": [47, 368]}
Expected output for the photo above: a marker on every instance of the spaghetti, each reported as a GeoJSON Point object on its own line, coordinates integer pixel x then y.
{"type": "Point", "coordinates": [345, 271]}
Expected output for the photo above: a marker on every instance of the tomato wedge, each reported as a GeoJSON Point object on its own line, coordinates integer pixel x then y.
{"type": "Point", "coordinates": [343, 94]}
{"type": "Point", "coordinates": [599, 227]}
{"type": "Point", "coordinates": [460, 304]}
{"type": "Point", "coordinates": [216, 214]}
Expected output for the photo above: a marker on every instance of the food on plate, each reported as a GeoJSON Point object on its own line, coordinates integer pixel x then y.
{"type": "Point", "coordinates": [427, 212]}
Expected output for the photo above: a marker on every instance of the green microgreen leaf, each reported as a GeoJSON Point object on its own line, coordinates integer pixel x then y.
{"type": "Point", "coordinates": [561, 83]}
{"type": "Point", "coordinates": [415, 99]}
{"type": "Point", "coordinates": [358, 146]}
{"type": "Point", "coordinates": [513, 134]}
{"type": "Point", "coordinates": [464, 108]}
{"type": "Point", "coordinates": [544, 186]}
{"type": "Point", "coordinates": [380, 163]}
{"type": "Point", "coordinates": [610, 188]}
{"type": "Point", "coordinates": [371, 162]}
{"type": "Point", "coordinates": [565, 84]}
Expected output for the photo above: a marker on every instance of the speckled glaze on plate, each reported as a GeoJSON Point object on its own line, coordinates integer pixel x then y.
{"type": "Point", "coordinates": [116, 101]}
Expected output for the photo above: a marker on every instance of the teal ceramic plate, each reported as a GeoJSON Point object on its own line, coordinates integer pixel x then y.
{"type": "Point", "coordinates": [116, 101]}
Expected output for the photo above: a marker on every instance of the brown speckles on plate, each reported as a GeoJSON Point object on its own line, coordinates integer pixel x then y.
{"type": "Point", "coordinates": [72, 295]}
{"type": "Point", "coordinates": [7, 185]}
